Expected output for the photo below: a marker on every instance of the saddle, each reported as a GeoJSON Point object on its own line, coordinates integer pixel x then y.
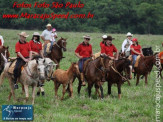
{"type": "Point", "coordinates": [12, 66]}
{"type": "Point", "coordinates": [137, 61]}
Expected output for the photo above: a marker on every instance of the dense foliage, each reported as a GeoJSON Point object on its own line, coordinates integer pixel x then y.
{"type": "Point", "coordinates": [114, 16]}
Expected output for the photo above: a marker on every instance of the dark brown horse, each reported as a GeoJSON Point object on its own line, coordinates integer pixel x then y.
{"type": "Point", "coordinates": [56, 53]}
{"type": "Point", "coordinates": [4, 55]}
{"type": "Point", "coordinates": [120, 71]}
{"type": "Point", "coordinates": [144, 67]}
{"type": "Point", "coordinates": [94, 72]}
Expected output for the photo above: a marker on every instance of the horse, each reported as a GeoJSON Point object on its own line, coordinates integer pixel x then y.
{"type": "Point", "coordinates": [32, 73]}
{"type": "Point", "coordinates": [65, 78]}
{"type": "Point", "coordinates": [121, 70]}
{"type": "Point", "coordinates": [94, 72]}
{"type": "Point", "coordinates": [147, 51]}
{"type": "Point", "coordinates": [49, 69]}
{"type": "Point", "coordinates": [144, 67]}
{"type": "Point", "coordinates": [4, 55]}
{"type": "Point", "coordinates": [56, 52]}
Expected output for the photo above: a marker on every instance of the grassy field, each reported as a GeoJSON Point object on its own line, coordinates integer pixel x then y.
{"type": "Point", "coordinates": [137, 103]}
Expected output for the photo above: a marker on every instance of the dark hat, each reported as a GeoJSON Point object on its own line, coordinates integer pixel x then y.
{"type": "Point", "coordinates": [110, 38]}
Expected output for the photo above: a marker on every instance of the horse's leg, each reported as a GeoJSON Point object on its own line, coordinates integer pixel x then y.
{"type": "Point", "coordinates": [102, 92]}
{"type": "Point", "coordinates": [26, 92]}
{"type": "Point", "coordinates": [97, 90]}
{"type": "Point", "coordinates": [2, 78]}
{"type": "Point", "coordinates": [89, 88]}
{"type": "Point", "coordinates": [39, 90]}
{"type": "Point", "coordinates": [137, 80]}
{"type": "Point", "coordinates": [119, 90]}
{"type": "Point", "coordinates": [33, 94]}
{"type": "Point", "coordinates": [56, 85]}
{"type": "Point", "coordinates": [79, 85]}
{"type": "Point", "coordinates": [146, 82]}
{"type": "Point", "coordinates": [23, 91]}
{"type": "Point", "coordinates": [12, 93]}
{"type": "Point", "coordinates": [63, 91]}
{"type": "Point", "coordinates": [71, 89]}
{"type": "Point", "coordinates": [109, 89]}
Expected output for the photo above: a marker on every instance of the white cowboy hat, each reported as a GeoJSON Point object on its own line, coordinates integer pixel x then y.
{"type": "Point", "coordinates": [86, 37]}
{"type": "Point", "coordinates": [36, 34]}
{"type": "Point", "coordinates": [48, 25]}
{"type": "Point", "coordinates": [129, 34]}
{"type": "Point", "coordinates": [104, 36]}
{"type": "Point", "coordinates": [23, 34]}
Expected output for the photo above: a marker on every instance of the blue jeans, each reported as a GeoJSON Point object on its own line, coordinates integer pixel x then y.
{"type": "Point", "coordinates": [81, 64]}
{"type": "Point", "coordinates": [52, 42]}
{"type": "Point", "coordinates": [134, 59]}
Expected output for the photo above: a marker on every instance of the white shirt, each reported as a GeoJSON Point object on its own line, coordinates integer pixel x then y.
{"type": "Point", "coordinates": [1, 39]}
{"type": "Point", "coordinates": [124, 43]}
{"type": "Point", "coordinates": [52, 37]}
{"type": "Point", "coordinates": [46, 34]}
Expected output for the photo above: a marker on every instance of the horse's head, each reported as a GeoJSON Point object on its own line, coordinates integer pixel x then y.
{"type": "Point", "coordinates": [75, 68]}
{"type": "Point", "coordinates": [62, 43]}
{"type": "Point", "coordinates": [127, 68]}
{"type": "Point", "coordinates": [5, 52]}
{"type": "Point", "coordinates": [41, 68]}
{"type": "Point", "coordinates": [147, 51]}
{"type": "Point", "coordinates": [49, 68]}
{"type": "Point", "coordinates": [105, 62]}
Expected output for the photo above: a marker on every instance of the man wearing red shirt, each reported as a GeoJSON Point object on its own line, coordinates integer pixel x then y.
{"type": "Point", "coordinates": [135, 50]}
{"type": "Point", "coordinates": [24, 55]}
{"type": "Point", "coordinates": [36, 45]}
{"type": "Point", "coordinates": [83, 52]}
{"type": "Point", "coordinates": [102, 43]}
{"type": "Point", "coordinates": [108, 49]}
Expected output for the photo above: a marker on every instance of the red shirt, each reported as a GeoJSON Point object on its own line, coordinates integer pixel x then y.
{"type": "Point", "coordinates": [84, 50]}
{"type": "Point", "coordinates": [102, 44]}
{"type": "Point", "coordinates": [36, 47]}
{"type": "Point", "coordinates": [23, 48]}
{"type": "Point", "coordinates": [136, 48]}
{"type": "Point", "coordinates": [108, 50]}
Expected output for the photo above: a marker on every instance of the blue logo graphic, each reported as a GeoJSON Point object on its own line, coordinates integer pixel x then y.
{"type": "Point", "coordinates": [17, 112]}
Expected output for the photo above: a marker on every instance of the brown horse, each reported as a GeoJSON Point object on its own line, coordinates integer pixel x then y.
{"type": "Point", "coordinates": [65, 78]}
{"type": "Point", "coordinates": [144, 67]}
{"type": "Point", "coordinates": [94, 72]}
{"type": "Point", "coordinates": [120, 71]}
{"type": "Point", "coordinates": [56, 53]}
{"type": "Point", "coordinates": [4, 55]}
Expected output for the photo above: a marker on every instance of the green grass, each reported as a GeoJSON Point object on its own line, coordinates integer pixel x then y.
{"type": "Point", "coordinates": [137, 103]}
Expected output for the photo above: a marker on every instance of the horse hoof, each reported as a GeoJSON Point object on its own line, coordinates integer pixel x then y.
{"type": "Point", "coordinates": [43, 93]}
{"type": "Point", "coordinates": [38, 93]}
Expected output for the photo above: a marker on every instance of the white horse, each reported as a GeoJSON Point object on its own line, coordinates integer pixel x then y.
{"type": "Point", "coordinates": [32, 73]}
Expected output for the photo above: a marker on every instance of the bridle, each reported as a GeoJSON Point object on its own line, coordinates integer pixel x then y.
{"type": "Point", "coordinates": [63, 41]}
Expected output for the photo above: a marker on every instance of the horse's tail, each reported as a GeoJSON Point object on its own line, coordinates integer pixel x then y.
{"type": "Point", "coordinates": [2, 78]}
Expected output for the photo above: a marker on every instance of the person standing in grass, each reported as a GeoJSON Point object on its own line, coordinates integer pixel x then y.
{"type": "Point", "coordinates": [108, 49]}
{"type": "Point", "coordinates": [135, 51]}
{"type": "Point", "coordinates": [83, 52]}
{"type": "Point", "coordinates": [1, 41]}
{"type": "Point", "coordinates": [126, 44]}
{"type": "Point", "coordinates": [36, 45]}
{"type": "Point", "coordinates": [24, 55]}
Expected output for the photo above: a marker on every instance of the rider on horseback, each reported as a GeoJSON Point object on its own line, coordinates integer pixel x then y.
{"type": "Point", "coordinates": [24, 55]}
{"type": "Point", "coordinates": [83, 52]}
{"type": "Point", "coordinates": [135, 51]}
{"type": "Point", "coordinates": [36, 45]}
{"type": "Point", "coordinates": [109, 48]}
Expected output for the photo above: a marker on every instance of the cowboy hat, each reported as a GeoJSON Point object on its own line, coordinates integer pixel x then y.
{"type": "Point", "coordinates": [86, 37]}
{"type": "Point", "coordinates": [48, 25]}
{"type": "Point", "coordinates": [23, 34]}
{"type": "Point", "coordinates": [36, 34]}
{"type": "Point", "coordinates": [110, 38]}
{"type": "Point", "coordinates": [53, 30]}
{"type": "Point", "coordinates": [129, 34]}
{"type": "Point", "coordinates": [135, 39]}
{"type": "Point", "coordinates": [104, 36]}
